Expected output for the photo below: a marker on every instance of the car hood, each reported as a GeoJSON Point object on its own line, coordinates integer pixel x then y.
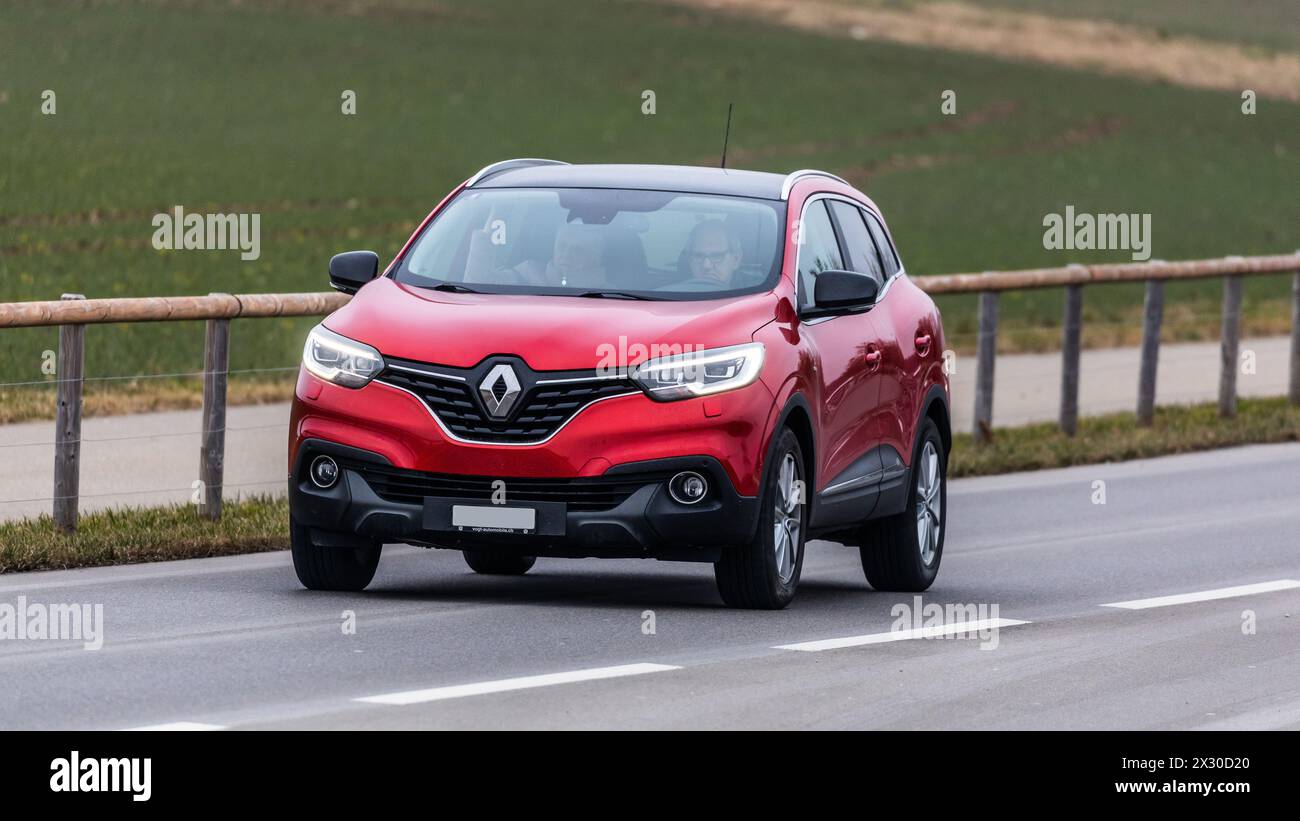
{"type": "Point", "coordinates": [550, 333]}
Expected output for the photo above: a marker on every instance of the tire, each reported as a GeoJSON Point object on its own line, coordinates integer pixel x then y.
{"type": "Point", "coordinates": [893, 557]}
{"type": "Point", "coordinates": [494, 563]}
{"type": "Point", "coordinates": [331, 568]}
{"type": "Point", "coordinates": [759, 575]}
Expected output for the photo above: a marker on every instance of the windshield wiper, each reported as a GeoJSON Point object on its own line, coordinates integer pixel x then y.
{"type": "Point", "coordinates": [453, 287]}
{"type": "Point", "coordinates": [611, 295]}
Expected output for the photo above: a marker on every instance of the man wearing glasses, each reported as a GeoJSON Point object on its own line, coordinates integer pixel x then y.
{"type": "Point", "coordinates": [713, 255]}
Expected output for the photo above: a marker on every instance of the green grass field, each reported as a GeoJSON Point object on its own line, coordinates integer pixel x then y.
{"type": "Point", "coordinates": [219, 106]}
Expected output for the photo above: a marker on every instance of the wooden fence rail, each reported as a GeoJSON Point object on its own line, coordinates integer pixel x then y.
{"type": "Point", "coordinates": [73, 312]}
{"type": "Point", "coordinates": [166, 309]}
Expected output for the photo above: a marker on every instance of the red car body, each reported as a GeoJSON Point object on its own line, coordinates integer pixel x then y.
{"type": "Point", "coordinates": [849, 386]}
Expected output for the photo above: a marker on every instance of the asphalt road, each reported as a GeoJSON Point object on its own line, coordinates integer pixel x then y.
{"type": "Point", "coordinates": [234, 642]}
{"type": "Point", "coordinates": [153, 458]}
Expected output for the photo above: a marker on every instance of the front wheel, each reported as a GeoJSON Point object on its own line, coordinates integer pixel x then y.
{"type": "Point", "coordinates": [764, 574]}
{"type": "Point", "coordinates": [902, 552]}
{"type": "Point", "coordinates": [331, 568]}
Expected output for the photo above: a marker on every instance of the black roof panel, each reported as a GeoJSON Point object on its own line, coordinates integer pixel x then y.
{"type": "Point", "coordinates": [693, 179]}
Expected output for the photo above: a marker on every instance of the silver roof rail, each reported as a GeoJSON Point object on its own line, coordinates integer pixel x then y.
{"type": "Point", "coordinates": [505, 165]}
{"type": "Point", "coordinates": [794, 176]}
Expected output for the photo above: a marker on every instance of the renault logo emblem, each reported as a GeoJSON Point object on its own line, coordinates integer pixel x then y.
{"type": "Point", "coordinates": [499, 391]}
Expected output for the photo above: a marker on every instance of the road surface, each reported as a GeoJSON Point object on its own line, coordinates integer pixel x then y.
{"type": "Point", "coordinates": [235, 643]}
{"type": "Point", "coordinates": [153, 459]}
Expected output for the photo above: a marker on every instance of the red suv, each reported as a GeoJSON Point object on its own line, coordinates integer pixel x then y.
{"type": "Point", "coordinates": [692, 364]}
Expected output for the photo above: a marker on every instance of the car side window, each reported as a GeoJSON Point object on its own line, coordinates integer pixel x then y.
{"type": "Point", "coordinates": [857, 239]}
{"type": "Point", "coordinates": [887, 252]}
{"type": "Point", "coordinates": [818, 249]}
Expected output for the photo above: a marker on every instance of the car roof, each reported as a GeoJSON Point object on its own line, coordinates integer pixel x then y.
{"type": "Point", "coordinates": [685, 178]}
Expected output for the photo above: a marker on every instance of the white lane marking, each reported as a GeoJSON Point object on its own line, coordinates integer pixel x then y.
{"type": "Point", "coordinates": [1207, 595]}
{"type": "Point", "coordinates": [182, 726]}
{"type": "Point", "coordinates": [956, 628]}
{"type": "Point", "coordinates": [507, 684]}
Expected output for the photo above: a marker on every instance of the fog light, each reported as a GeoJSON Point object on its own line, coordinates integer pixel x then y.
{"type": "Point", "coordinates": [688, 487]}
{"type": "Point", "coordinates": [324, 472]}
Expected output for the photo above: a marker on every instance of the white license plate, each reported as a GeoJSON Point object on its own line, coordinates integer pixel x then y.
{"type": "Point", "coordinates": [494, 518]}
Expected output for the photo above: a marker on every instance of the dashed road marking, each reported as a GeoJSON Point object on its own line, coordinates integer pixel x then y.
{"type": "Point", "coordinates": [182, 726]}
{"type": "Point", "coordinates": [957, 628]}
{"type": "Point", "coordinates": [508, 684]}
{"type": "Point", "coordinates": [1207, 595]}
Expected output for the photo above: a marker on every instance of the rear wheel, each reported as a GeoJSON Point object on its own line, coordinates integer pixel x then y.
{"type": "Point", "coordinates": [495, 563]}
{"type": "Point", "coordinates": [764, 574]}
{"type": "Point", "coordinates": [902, 552]}
{"type": "Point", "coordinates": [331, 568]}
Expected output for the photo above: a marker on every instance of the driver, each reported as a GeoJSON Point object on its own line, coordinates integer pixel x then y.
{"type": "Point", "coordinates": [713, 253]}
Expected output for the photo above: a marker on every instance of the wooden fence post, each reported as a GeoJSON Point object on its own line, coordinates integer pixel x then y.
{"type": "Point", "coordinates": [1071, 332]}
{"type": "Point", "coordinates": [1152, 314]}
{"type": "Point", "coordinates": [67, 425]}
{"type": "Point", "coordinates": [1295, 338]}
{"type": "Point", "coordinates": [1229, 346]}
{"type": "Point", "coordinates": [985, 351]}
{"type": "Point", "coordinates": [212, 451]}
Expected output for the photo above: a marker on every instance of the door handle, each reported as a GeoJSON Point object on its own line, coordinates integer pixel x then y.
{"type": "Point", "coordinates": [923, 343]}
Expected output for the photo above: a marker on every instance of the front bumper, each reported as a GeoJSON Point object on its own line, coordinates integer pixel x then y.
{"type": "Point", "coordinates": [729, 427]}
{"type": "Point", "coordinates": [625, 512]}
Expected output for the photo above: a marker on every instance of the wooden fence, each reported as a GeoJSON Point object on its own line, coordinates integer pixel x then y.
{"type": "Point", "coordinates": [74, 312]}
{"type": "Point", "coordinates": [1073, 278]}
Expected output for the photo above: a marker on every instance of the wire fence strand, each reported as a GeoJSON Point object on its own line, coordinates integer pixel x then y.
{"type": "Point", "coordinates": [133, 492]}
{"type": "Point", "coordinates": [136, 377]}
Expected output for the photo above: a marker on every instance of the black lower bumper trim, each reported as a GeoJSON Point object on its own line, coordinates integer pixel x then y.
{"type": "Point", "coordinates": [642, 521]}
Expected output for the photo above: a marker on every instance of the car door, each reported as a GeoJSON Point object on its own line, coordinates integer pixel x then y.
{"type": "Point", "coordinates": [847, 353]}
{"type": "Point", "coordinates": [903, 341]}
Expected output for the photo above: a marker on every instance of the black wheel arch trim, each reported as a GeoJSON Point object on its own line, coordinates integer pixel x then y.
{"type": "Point", "coordinates": [807, 441]}
{"type": "Point", "coordinates": [894, 493]}
{"type": "Point", "coordinates": [937, 395]}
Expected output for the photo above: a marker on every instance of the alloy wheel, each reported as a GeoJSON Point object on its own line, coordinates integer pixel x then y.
{"type": "Point", "coordinates": [788, 518]}
{"type": "Point", "coordinates": [929, 503]}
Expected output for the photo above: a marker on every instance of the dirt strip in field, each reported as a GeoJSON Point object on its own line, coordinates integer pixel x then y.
{"type": "Point", "coordinates": [1094, 45]}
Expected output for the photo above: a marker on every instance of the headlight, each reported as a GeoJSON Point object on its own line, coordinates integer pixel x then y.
{"type": "Point", "coordinates": [340, 360]}
{"type": "Point", "coordinates": [700, 373]}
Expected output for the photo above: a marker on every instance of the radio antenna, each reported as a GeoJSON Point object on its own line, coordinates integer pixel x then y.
{"type": "Point", "coordinates": [727, 136]}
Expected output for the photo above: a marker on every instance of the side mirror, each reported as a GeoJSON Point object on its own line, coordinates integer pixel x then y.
{"type": "Point", "coordinates": [844, 291]}
{"type": "Point", "coordinates": [349, 271]}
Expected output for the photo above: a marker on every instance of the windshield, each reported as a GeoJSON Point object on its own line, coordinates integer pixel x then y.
{"type": "Point", "coordinates": [599, 242]}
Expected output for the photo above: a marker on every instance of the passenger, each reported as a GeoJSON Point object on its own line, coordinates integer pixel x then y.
{"type": "Point", "coordinates": [578, 260]}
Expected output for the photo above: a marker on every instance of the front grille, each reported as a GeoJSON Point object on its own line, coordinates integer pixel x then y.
{"type": "Point", "coordinates": [594, 493]}
{"type": "Point", "coordinates": [452, 394]}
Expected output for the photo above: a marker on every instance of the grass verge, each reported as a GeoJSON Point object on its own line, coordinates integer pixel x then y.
{"type": "Point", "coordinates": [1117, 437]}
{"type": "Point", "coordinates": [259, 524]}
{"type": "Point", "coordinates": [133, 535]}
